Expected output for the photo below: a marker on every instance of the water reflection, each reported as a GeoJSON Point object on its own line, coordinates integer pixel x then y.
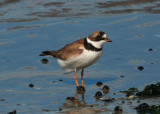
{"type": "Point", "coordinates": [36, 10]}
{"type": "Point", "coordinates": [74, 102]}
{"type": "Point", "coordinates": [6, 2]}
{"type": "Point", "coordinates": [147, 6]}
{"type": "Point", "coordinates": [78, 104]}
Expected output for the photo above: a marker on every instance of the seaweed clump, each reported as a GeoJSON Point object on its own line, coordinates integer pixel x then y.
{"type": "Point", "coordinates": [145, 108]}
{"type": "Point", "coordinates": [151, 90]}
{"type": "Point", "coordinates": [130, 91]}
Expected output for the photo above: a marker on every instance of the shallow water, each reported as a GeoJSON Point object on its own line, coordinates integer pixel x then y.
{"type": "Point", "coordinates": [26, 30]}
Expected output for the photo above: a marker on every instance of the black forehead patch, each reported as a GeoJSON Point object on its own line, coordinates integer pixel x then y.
{"type": "Point", "coordinates": [102, 33]}
{"type": "Point", "coordinates": [99, 36]}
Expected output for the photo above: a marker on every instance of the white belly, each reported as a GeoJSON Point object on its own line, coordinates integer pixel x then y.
{"type": "Point", "coordinates": [84, 60]}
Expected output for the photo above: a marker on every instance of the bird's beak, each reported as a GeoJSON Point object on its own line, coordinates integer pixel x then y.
{"type": "Point", "coordinates": [108, 40]}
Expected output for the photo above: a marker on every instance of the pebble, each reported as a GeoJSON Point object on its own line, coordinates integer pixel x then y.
{"type": "Point", "coordinates": [123, 102]}
{"type": "Point", "coordinates": [150, 49]}
{"type": "Point", "coordinates": [31, 85]}
{"type": "Point", "coordinates": [2, 99]}
{"type": "Point", "coordinates": [60, 109]}
{"type": "Point", "coordinates": [44, 61]}
{"type": "Point", "coordinates": [114, 93]}
{"type": "Point", "coordinates": [131, 97]}
{"type": "Point", "coordinates": [105, 89]}
{"type": "Point", "coordinates": [98, 94]}
{"type": "Point", "coordinates": [13, 112]}
{"type": "Point", "coordinates": [70, 98]}
{"type": "Point", "coordinates": [122, 76]}
{"type": "Point", "coordinates": [140, 68]}
{"type": "Point", "coordinates": [60, 80]}
{"type": "Point", "coordinates": [99, 84]}
{"type": "Point", "coordinates": [138, 101]}
{"type": "Point", "coordinates": [118, 109]}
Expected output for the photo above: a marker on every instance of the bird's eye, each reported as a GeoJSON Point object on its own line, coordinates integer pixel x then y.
{"type": "Point", "coordinates": [98, 38]}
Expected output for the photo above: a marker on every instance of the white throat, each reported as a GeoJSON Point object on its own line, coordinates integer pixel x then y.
{"type": "Point", "coordinates": [97, 44]}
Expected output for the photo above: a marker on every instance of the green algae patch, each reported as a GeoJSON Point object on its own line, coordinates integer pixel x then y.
{"type": "Point", "coordinates": [151, 90]}
{"type": "Point", "coordinates": [145, 108]}
{"type": "Point", "coordinates": [130, 91]}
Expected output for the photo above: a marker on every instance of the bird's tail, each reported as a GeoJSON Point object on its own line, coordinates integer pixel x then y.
{"type": "Point", "coordinates": [48, 53]}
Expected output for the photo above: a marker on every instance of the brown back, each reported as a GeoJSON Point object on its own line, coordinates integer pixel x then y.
{"type": "Point", "coordinates": [71, 50]}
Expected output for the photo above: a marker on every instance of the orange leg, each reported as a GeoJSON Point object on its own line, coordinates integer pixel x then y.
{"type": "Point", "coordinates": [76, 95]}
{"type": "Point", "coordinates": [75, 77]}
{"type": "Point", "coordinates": [82, 77]}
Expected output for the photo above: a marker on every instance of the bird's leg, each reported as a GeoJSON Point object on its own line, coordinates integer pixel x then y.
{"type": "Point", "coordinates": [76, 95]}
{"type": "Point", "coordinates": [75, 77]}
{"type": "Point", "coordinates": [82, 77]}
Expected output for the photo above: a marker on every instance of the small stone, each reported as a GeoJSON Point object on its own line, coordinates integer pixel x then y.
{"type": "Point", "coordinates": [140, 68]}
{"type": "Point", "coordinates": [118, 109]}
{"type": "Point", "coordinates": [80, 88]}
{"type": "Point", "coordinates": [2, 99]}
{"type": "Point", "coordinates": [122, 76]}
{"type": "Point", "coordinates": [91, 106]}
{"type": "Point", "coordinates": [99, 84]}
{"type": "Point", "coordinates": [138, 101]}
{"type": "Point", "coordinates": [70, 98]}
{"type": "Point", "coordinates": [60, 109]}
{"type": "Point", "coordinates": [114, 93]}
{"type": "Point", "coordinates": [60, 80]}
{"type": "Point", "coordinates": [31, 85]}
{"type": "Point", "coordinates": [150, 49]}
{"type": "Point", "coordinates": [123, 102]}
{"type": "Point", "coordinates": [13, 112]}
{"type": "Point", "coordinates": [98, 94]}
{"type": "Point", "coordinates": [44, 61]}
{"type": "Point", "coordinates": [131, 97]}
{"type": "Point", "coordinates": [105, 89]}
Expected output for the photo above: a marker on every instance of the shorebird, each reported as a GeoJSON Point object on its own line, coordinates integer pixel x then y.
{"type": "Point", "coordinates": [80, 54]}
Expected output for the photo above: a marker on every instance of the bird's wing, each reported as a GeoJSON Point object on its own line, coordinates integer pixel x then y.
{"type": "Point", "coordinates": [71, 50]}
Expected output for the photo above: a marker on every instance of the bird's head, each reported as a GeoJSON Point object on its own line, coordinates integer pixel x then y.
{"type": "Point", "coordinates": [98, 38]}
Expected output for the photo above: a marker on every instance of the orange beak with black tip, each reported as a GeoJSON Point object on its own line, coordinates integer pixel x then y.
{"type": "Point", "coordinates": [108, 40]}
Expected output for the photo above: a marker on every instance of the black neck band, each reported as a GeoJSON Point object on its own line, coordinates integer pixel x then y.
{"type": "Point", "coordinates": [89, 46]}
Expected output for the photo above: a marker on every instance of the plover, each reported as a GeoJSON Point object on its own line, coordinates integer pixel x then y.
{"type": "Point", "coordinates": [80, 54]}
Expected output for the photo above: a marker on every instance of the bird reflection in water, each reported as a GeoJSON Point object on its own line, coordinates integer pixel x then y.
{"type": "Point", "coordinates": [74, 102]}
{"type": "Point", "coordinates": [78, 105]}
{"type": "Point", "coordinates": [73, 105]}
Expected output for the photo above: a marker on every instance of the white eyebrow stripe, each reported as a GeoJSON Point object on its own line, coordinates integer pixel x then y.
{"type": "Point", "coordinates": [104, 36]}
